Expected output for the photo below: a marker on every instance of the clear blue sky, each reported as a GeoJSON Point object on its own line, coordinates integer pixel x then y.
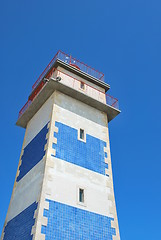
{"type": "Point", "coordinates": [121, 39]}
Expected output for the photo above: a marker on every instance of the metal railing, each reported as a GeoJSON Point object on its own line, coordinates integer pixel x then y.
{"type": "Point", "coordinates": [45, 71]}
{"type": "Point", "coordinates": [109, 100]}
{"type": "Point", "coordinates": [73, 62]}
{"type": "Point", "coordinates": [24, 108]}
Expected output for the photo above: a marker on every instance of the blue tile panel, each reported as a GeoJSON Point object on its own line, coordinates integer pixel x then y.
{"type": "Point", "coordinates": [19, 228]}
{"type": "Point", "coordinates": [33, 153]}
{"type": "Point", "coordinates": [89, 155]}
{"type": "Point", "coordinates": [70, 223]}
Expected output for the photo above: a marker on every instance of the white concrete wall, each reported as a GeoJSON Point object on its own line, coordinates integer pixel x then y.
{"type": "Point", "coordinates": [73, 113]}
{"type": "Point", "coordinates": [64, 180]}
{"type": "Point", "coordinates": [39, 120]}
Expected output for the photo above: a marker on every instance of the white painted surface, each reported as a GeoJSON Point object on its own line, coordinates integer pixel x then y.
{"type": "Point", "coordinates": [39, 120]}
{"type": "Point", "coordinates": [62, 186]}
{"type": "Point", "coordinates": [72, 80]}
{"type": "Point", "coordinates": [75, 76]}
{"type": "Point", "coordinates": [27, 190]}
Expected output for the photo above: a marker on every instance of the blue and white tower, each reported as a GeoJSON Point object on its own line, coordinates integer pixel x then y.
{"type": "Point", "coordinates": [64, 187]}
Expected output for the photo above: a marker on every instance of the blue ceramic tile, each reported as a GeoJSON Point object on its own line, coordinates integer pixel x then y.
{"type": "Point", "coordinates": [19, 228]}
{"type": "Point", "coordinates": [33, 153]}
{"type": "Point", "coordinates": [89, 155]}
{"type": "Point", "coordinates": [70, 223]}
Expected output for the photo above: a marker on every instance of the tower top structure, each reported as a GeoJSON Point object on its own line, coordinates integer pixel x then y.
{"type": "Point", "coordinates": [65, 66]}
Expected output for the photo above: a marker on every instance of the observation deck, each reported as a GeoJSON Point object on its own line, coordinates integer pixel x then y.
{"type": "Point", "coordinates": [73, 74]}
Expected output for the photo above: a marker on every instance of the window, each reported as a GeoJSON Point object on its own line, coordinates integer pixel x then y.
{"type": "Point", "coordinates": [81, 195]}
{"type": "Point", "coordinates": [82, 85]}
{"type": "Point", "coordinates": [81, 134]}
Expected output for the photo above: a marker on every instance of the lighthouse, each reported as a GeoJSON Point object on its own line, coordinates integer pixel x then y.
{"type": "Point", "coordinates": [63, 188]}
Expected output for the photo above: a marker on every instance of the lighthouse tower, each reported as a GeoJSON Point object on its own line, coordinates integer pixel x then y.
{"type": "Point", "coordinates": [63, 188]}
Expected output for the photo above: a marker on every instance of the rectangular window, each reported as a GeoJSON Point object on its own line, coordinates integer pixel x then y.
{"type": "Point", "coordinates": [81, 195]}
{"type": "Point", "coordinates": [82, 86]}
{"type": "Point", "coordinates": [81, 134]}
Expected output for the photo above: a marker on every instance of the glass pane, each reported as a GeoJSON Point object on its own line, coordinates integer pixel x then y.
{"type": "Point", "coordinates": [81, 195]}
{"type": "Point", "coordinates": [81, 134]}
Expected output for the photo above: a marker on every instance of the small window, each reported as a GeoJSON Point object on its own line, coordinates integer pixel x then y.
{"type": "Point", "coordinates": [81, 195]}
{"type": "Point", "coordinates": [81, 134]}
{"type": "Point", "coordinates": [82, 85]}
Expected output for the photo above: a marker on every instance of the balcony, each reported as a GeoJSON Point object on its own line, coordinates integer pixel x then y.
{"type": "Point", "coordinates": [69, 85]}
{"type": "Point", "coordinates": [72, 62]}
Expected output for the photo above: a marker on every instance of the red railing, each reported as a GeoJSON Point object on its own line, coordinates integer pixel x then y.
{"type": "Point", "coordinates": [24, 108]}
{"type": "Point", "coordinates": [111, 101]}
{"type": "Point", "coordinates": [73, 62]}
{"type": "Point", "coordinates": [45, 71]}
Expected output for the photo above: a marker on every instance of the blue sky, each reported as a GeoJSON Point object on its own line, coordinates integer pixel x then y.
{"type": "Point", "coordinates": [121, 39]}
